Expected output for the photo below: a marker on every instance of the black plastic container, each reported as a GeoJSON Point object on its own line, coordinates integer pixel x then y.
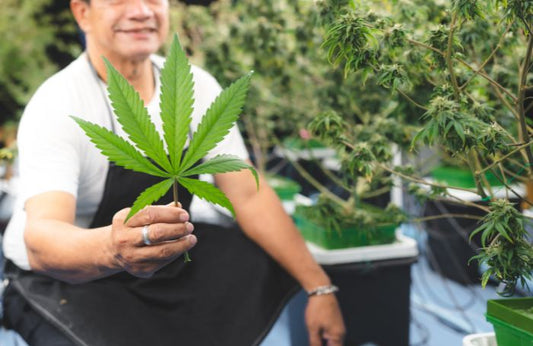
{"type": "Point", "coordinates": [449, 248]}
{"type": "Point", "coordinates": [375, 301]}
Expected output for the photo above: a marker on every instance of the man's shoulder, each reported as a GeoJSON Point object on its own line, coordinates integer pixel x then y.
{"type": "Point", "coordinates": [78, 70]}
{"type": "Point", "coordinates": [67, 85]}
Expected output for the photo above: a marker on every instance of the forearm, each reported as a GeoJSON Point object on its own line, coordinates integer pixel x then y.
{"type": "Point", "coordinates": [263, 220]}
{"type": "Point", "coordinates": [68, 253]}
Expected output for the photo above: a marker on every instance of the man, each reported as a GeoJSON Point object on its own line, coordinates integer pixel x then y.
{"type": "Point", "coordinates": [123, 283]}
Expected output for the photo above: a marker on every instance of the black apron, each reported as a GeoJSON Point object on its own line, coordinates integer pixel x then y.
{"type": "Point", "coordinates": [230, 294]}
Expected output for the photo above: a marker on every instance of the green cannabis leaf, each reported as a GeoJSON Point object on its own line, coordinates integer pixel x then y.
{"type": "Point", "coordinates": [149, 155]}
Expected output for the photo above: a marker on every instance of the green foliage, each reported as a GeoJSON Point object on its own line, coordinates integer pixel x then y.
{"type": "Point", "coordinates": [506, 250]}
{"type": "Point", "coordinates": [37, 39]}
{"type": "Point", "coordinates": [176, 109]}
{"type": "Point", "coordinates": [366, 218]}
{"type": "Point", "coordinates": [465, 67]}
{"type": "Point", "coordinates": [280, 40]}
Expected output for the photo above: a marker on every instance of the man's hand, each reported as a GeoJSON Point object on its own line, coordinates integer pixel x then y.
{"type": "Point", "coordinates": [169, 235]}
{"type": "Point", "coordinates": [324, 321]}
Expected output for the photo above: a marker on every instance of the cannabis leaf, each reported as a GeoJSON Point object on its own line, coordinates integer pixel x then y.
{"type": "Point", "coordinates": [149, 155]}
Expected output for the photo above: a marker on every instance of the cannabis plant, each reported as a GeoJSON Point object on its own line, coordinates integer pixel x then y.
{"type": "Point", "coordinates": [149, 155]}
{"type": "Point", "coordinates": [280, 41]}
{"type": "Point", "coordinates": [466, 67]}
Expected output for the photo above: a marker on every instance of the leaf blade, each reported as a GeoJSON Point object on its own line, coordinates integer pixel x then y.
{"type": "Point", "coordinates": [134, 118]}
{"type": "Point", "coordinates": [177, 91]}
{"type": "Point", "coordinates": [217, 121]}
{"type": "Point", "coordinates": [150, 195]}
{"type": "Point", "coordinates": [207, 191]}
{"type": "Point", "coordinates": [117, 149]}
{"type": "Point", "coordinates": [222, 164]}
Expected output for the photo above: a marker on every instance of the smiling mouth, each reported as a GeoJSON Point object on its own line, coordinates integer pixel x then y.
{"type": "Point", "coordinates": [137, 31]}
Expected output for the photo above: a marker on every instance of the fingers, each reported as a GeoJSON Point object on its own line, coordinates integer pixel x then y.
{"type": "Point", "coordinates": [314, 336]}
{"type": "Point", "coordinates": [149, 259]}
{"type": "Point", "coordinates": [334, 340]}
{"type": "Point", "coordinates": [166, 252]}
{"type": "Point", "coordinates": [154, 214]}
{"type": "Point", "coordinates": [142, 253]}
{"type": "Point", "coordinates": [324, 321]}
{"type": "Point", "coordinates": [164, 232]}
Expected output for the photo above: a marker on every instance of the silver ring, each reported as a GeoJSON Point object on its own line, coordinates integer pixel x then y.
{"type": "Point", "coordinates": [146, 238]}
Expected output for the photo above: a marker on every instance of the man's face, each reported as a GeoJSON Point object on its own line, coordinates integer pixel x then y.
{"type": "Point", "coordinates": [126, 29]}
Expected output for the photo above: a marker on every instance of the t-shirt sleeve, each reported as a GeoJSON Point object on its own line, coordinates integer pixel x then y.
{"type": "Point", "coordinates": [206, 91]}
{"type": "Point", "coordinates": [48, 141]}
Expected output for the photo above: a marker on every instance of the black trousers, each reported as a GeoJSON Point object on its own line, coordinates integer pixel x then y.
{"type": "Point", "coordinates": [34, 329]}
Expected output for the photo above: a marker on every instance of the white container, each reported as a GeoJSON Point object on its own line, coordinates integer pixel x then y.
{"type": "Point", "coordinates": [481, 339]}
{"type": "Point", "coordinates": [403, 247]}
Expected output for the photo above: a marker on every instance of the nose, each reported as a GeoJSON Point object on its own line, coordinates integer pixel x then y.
{"type": "Point", "coordinates": [139, 9]}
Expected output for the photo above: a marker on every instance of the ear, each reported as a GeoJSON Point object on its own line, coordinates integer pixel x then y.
{"type": "Point", "coordinates": [80, 9]}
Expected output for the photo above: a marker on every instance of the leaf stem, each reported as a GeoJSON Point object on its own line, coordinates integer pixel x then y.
{"type": "Point", "coordinates": [175, 192]}
{"type": "Point", "coordinates": [186, 256]}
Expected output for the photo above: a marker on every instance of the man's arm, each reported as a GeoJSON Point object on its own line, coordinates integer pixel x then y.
{"type": "Point", "coordinates": [263, 219]}
{"type": "Point", "coordinates": [58, 248]}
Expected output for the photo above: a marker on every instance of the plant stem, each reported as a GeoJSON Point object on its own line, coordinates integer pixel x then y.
{"type": "Point", "coordinates": [187, 258]}
{"type": "Point", "coordinates": [449, 61]}
{"type": "Point", "coordinates": [321, 188]}
{"type": "Point", "coordinates": [467, 65]}
{"type": "Point", "coordinates": [501, 159]}
{"type": "Point", "coordinates": [524, 71]}
{"type": "Point", "coordinates": [520, 103]}
{"type": "Point", "coordinates": [411, 100]}
{"type": "Point", "coordinates": [502, 37]}
{"type": "Point", "coordinates": [446, 216]}
{"type": "Point", "coordinates": [479, 179]}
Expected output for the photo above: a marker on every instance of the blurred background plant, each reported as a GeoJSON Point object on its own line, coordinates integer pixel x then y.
{"type": "Point", "coordinates": [38, 38]}
{"type": "Point", "coordinates": [280, 40]}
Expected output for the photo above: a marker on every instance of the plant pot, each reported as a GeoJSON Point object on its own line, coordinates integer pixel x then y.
{"type": "Point", "coordinates": [460, 177]}
{"type": "Point", "coordinates": [448, 241]}
{"type": "Point", "coordinates": [348, 237]}
{"type": "Point", "coordinates": [284, 187]}
{"type": "Point", "coordinates": [512, 320]}
{"type": "Point", "coordinates": [374, 291]}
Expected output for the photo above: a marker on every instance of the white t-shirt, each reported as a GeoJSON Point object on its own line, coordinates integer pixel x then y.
{"type": "Point", "coordinates": [56, 155]}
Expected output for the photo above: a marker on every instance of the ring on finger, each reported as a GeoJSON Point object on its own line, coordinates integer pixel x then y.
{"type": "Point", "coordinates": [146, 235]}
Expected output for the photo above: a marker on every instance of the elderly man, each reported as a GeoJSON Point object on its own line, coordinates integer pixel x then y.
{"type": "Point", "coordinates": [80, 275]}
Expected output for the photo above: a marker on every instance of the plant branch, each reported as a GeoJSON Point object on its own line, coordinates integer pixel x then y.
{"type": "Point", "coordinates": [422, 181]}
{"type": "Point", "coordinates": [479, 179]}
{"type": "Point", "coordinates": [467, 65]}
{"type": "Point", "coordinates": [411, 100]}
{"type": "Point", "coordinates": [503, 100]}
{"type": "Point", "coordinates": [482, 66]}
{"type": "Point", "coordinates": [321, 188]}
{"type": "Point", "coordinates": [521, 96]}
{"type": "Point", "coordinates": [446, 216]}
{"type": "Point", "coordinates": [449, 61]}
{"type": "Point", "coordinates": [501, 159]}
{"type": "Point", "coordinates": [463, 202]}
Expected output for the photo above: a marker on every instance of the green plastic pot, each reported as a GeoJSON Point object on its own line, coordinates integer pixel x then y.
{"type": "Point", "coordinates": [348, 237]}
{"type": "Point", "coordinates": [512, 320]}
{"type": "Point", "coordinates": [284, 187]}
{"type": "Point", "coordinates": [300, 144]}
{"type": "Point", "coordinates": [460, 177]}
